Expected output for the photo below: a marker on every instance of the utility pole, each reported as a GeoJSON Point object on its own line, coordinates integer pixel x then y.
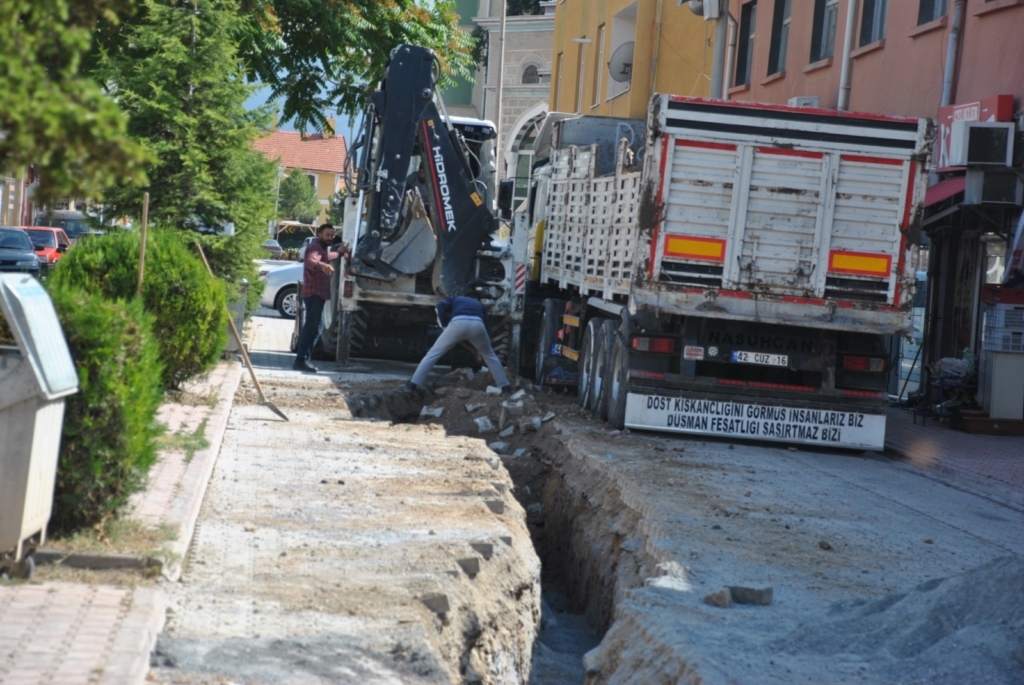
{"type": "Point", "coordinates": [501, 73]}
{"type": "Point", "coordinates": [845, 73]}
{"type": "Point", "coordinates": [718, 56]}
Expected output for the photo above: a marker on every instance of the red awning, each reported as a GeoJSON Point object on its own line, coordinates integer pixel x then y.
{"type": "Point", "coordinates": [944, 189]}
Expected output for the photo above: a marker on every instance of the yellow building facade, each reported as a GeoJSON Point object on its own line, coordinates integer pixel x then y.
{"type": "Point", "coordinates": [671, 53]}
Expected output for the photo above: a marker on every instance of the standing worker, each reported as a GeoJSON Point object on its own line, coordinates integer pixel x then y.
{"type": "Point", "coordinates": [316, 290]}
{"type": "Point", "coordinates": [463, 319]}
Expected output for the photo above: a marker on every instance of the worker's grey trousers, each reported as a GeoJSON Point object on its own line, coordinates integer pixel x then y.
{"type": "Point", "coordinates": [471, 330]}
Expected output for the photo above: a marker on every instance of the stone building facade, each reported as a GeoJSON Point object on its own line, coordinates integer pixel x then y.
{"type": "Point", "coordinates": [526, 79]}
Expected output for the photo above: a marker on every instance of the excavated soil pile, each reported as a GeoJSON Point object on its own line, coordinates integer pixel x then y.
{"type": "Point", "coordinates": [923, 635]}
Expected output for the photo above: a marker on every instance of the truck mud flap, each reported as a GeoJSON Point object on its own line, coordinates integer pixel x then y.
{"type": "Point", "coordinates": [753, 421]}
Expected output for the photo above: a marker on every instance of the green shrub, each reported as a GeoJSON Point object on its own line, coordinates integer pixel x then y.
{"type": "Point", "coordinates": [188, 305]}
{"type": "Point", "coordinates": [108, 441]}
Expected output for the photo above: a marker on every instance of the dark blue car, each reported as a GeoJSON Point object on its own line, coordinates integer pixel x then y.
{"type": "Point", "coordinates": [16, 252]}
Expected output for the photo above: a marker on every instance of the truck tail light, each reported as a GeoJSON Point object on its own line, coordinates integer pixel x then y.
{"type": "Point", "coordinates": [661, 345]}
{"type": "Point", "coordinates": [347, 289]}
{"type": "Point", "coordinates": [869, 364]}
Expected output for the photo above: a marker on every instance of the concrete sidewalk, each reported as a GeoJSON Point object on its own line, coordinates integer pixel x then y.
{"type": "Point", "coordinates": [991, 465]}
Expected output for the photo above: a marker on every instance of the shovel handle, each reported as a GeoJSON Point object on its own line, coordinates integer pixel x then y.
{"type": "Point", "coordinates": [238, 338]}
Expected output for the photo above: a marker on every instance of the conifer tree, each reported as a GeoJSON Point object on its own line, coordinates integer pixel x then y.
{"type": "Point", "coordinates": [298, 200]}
{"type": "Point", "coordinates": [178, 78]}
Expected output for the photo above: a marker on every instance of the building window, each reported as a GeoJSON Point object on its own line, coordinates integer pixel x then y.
{"type": "Point", "coordinates": [623, 37]}
{"type": "Point", "coordinates": [872, 21]}
{"type": "Point", "coordinates": [531, 75]}
{"type": "Point", "coordinates": [823, 36]}
{"type": "Point", "coordinates": [930, 10]}
{"type": "Point", "coordinates": [745, 49]}
{"type": "Point", "coordinates": [558, 80]}
{"type": "Point", "coordinates": [780, 37]}
{"type": "Point", "coordinates": [599, 66]}
{"type": "Point", "coordinates": [581, 55]}
{"type": "Point", "coordinates": [522, 146]}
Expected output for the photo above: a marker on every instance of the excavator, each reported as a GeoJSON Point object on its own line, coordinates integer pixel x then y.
{"type": "Point", "coordinates": [421, 217]}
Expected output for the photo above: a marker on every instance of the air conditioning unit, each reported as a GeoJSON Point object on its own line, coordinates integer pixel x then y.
{"type": "Point", "coordinates": [993, 188]}
{"type": "Point", "coordinates": [981, 143]}
{"type": "Point", "coordinates": [804, 101]}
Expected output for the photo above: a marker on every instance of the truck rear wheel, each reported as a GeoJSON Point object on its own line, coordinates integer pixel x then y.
{"type": "Point", "coordinates": [550, 319]}
{"type": "Point", "coordinates": [618, 383]}
{"type": "Point", "coordinates": [602, 367]}
{"type": "Point", "coordinates": [584, 394]}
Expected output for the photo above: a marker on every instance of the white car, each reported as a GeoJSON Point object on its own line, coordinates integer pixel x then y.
{"type": "Point", "coordinates": [305, 244]}
{"type": "Point", "coordinates": [280, 289]}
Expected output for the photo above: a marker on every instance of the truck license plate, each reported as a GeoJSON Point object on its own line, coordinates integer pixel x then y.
{"type": "Point", "coordinates": [762, 358]}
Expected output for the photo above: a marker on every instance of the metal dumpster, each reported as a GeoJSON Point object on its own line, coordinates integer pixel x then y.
{"type": "Point", "coordinates": [36, 374]}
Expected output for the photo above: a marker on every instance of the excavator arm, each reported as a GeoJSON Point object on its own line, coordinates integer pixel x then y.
{"type": "Point", "coordinates": [421, 202]}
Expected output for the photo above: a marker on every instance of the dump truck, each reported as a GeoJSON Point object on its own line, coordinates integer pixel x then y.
{"type": "Point", "coordinates": [723, 268]}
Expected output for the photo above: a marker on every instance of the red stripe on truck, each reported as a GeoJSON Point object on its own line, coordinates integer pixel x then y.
{"type": "Point", "coordinates": [706, 146]}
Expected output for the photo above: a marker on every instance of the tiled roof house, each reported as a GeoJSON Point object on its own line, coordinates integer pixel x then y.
{"type": "Point", "coordinates": [321, 157]}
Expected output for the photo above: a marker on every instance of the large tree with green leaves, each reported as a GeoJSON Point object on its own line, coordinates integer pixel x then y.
{"type": "Point", "coordinates": [323, 55]}
{"type": "Point", "coordinates": [319, 55]}
{"type": "Point", "coordinates": [53, 116]}
{"type": "Point", "coordinates": [178, 78]}
{"type": "Point", "coordinates": [297, 199]}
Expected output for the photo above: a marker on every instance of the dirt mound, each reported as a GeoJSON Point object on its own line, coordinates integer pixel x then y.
{"type": "Point", "coordinates": [925, 635]}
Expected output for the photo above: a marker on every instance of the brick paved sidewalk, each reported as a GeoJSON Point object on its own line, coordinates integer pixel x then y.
{"type": "Point", "coordinates": [992, 464]}
{"type": "Point", "coordinates": [70, 634]}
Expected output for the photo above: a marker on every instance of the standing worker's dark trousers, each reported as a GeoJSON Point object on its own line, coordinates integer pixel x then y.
{"type": "Point", "coordinates": [312, 327]}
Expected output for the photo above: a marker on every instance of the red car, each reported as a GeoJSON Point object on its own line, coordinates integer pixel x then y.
{"type": "Point", "coordinates": [49, 243]}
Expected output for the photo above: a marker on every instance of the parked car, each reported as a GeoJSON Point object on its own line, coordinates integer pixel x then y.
{"type": "Point", "coordinates": [71, 222]}
{"type": "Point", "coordinates": [305, 244]}
{"type": "Point", "coordinates": [88, 234]}
{"type": "Point", "coordinates": [273, 247]}
{"type": "Point", "coordinates": [17, 253]}
{"type": "Point", "coordinates": [279, 290]}
{"type": "Point", "coordinates": [50, 244]}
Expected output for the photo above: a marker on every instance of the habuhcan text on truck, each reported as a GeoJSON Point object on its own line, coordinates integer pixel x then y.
{"type": "Point", "coordinates": [419, 217]}
{"type": "Point", "coordinates": [724, 268]}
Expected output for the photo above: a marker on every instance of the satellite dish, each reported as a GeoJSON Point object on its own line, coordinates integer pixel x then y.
{"type": "Point", "coordinates": [696, 6]}
{"type": "Point", "coordinates": [620, 67]}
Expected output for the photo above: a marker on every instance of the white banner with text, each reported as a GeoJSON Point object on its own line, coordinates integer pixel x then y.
{"type": "Point", "coordinates": [823, 427]}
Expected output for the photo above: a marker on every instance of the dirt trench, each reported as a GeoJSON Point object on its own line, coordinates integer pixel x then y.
{"type": "Point", "coordinates": [586, 537]}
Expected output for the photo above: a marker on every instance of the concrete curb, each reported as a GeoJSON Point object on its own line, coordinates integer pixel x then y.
{"type": "Point", "coordinates": [184, 509]}
{"type": "Point", "coordinates": [130, 654]}
{"type": "Point", "coordinates": [95, 561]}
